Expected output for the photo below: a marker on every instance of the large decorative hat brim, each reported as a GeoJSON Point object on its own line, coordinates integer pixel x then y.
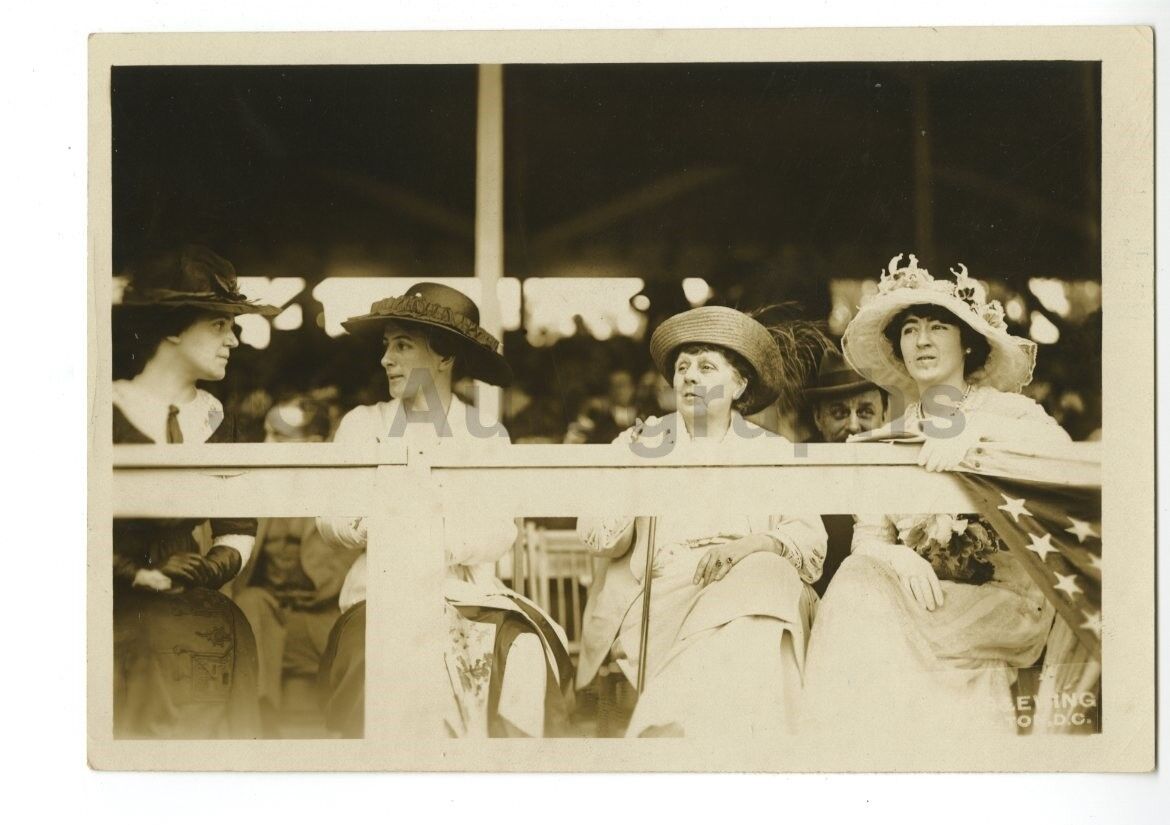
{"type": "Point", "coordinates": [210, 301]}
{"type": "Point", "coordinates": [866, 349]}
{"type": "Point", "coordinates": [728, 328]}
{"type": "Point", "coordinates": [479, 353]}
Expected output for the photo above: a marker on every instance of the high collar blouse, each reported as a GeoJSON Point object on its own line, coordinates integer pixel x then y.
{"type": "Point", "coordinates": [198, 418]}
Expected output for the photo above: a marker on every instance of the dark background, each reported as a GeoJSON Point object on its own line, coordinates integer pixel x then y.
{"type": "Point", "coordinates": [767, 180]}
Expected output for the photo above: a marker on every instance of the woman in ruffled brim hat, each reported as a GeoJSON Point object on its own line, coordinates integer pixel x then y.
{"type": "Point", "coordinates": [184, 656]}
{"type": "Point", "coordinates": [943, 351]}
{"type": "Point", "coordinates": [731, 599]}
{"type": "Point", "coordinates": [450, 320]}
{"type": "Point", "coordinates": [872, 341]}
{"type": "Point", "coordinates": [508, 661]}
{"type": "Point", "coordinates": [937, 631]}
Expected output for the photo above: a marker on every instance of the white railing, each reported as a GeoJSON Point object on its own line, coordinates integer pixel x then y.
{"type": "Point", "coordinates": [404, 494]}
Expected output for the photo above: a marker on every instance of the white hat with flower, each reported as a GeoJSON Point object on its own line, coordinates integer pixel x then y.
{"type": "Point", "coordinates": [867, 349]}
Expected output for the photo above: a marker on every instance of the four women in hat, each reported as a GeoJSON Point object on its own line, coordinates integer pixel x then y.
{"type": "Point", "coordinates": [731, 607]}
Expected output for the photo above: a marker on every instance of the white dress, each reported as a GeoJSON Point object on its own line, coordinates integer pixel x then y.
{"type": "Point", "coordinates": [472, 543]}
{"type": "Point", "coordinates": [881, 663]}
{"type": "Point", "coordinates": [724, 660]}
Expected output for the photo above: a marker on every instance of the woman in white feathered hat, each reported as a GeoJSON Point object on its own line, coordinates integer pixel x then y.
{"type": "Point", "coordinates": [943, 350]}
{"type": "Point", "coordinates": [937, 633]}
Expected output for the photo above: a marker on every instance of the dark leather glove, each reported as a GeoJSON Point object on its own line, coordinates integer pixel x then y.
{"type": "Point", "coordinates": [183, 568]}
{"type": "Point", "coordinates": [220, 566]}
{"type": "Point", "coordinates": [213, 571]}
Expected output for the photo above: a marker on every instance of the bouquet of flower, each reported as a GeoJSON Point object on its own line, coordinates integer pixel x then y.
{"type": "Point", "coordinates": [959, 548]}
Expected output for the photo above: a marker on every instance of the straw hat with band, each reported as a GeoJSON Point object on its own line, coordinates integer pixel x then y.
{"type": "Point", "coordinates": [195, 277]}
{"type": "Point", "coordinates": [835, 379]}
{"type": "Point", "coordinates": [1011, 358]}
{"type": "Point", "coordinates": [728, 328]}
{"type": "Point", "coordinates": [443, 308]}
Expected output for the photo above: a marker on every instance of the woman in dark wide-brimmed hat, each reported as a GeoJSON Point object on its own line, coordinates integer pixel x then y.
{"type": "Point", "coordinates": [185, 658]}
{"type": "Point", "coordinates": [507, 659]}
{"type": "Point", "coordinates": [731, 601]}
{"type": "Point", "coordinates": [927, 607]}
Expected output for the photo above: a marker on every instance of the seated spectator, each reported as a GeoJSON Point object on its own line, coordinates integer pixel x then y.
{"type": "Point", "coordinates": [507, 661]}
{"type": "Point", "coordinates": [184, 659]}
{"type": "Point", "coordinates": [289, 589]}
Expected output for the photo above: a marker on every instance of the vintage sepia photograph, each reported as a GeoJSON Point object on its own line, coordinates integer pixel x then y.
{"type": "Point", "coordinates": [749, 398]}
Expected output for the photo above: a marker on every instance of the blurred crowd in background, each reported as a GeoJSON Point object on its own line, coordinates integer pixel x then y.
{"type": "Point", "coordinates": [629, 192]}
{"type": "Point", "coordinates": [582, 389]}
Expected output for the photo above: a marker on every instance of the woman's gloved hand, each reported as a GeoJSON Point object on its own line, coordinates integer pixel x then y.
{"type": "Point", "coordinates": [945, 447]}
{"type": "Point", "coordinates": [182, 568]}
{"type": "Point", "coordinates": [915, 574]}
{"type": "Point", "coordinates": [213, 571]}
{"type": "Point", "coordinates": [152, 580]}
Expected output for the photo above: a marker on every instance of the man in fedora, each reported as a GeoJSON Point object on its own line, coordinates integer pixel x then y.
{"type": "Point", "coordinates": [843, 404]}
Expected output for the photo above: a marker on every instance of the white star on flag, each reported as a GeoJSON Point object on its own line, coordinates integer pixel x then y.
{"type": "Point", "coordinates": [1093, 622]}
{"type": "Point", "coordinates": [1068, 584]}
{"type": "Point", "coordinates": [1095, 561]}
{"type": "Point", "coordinates": [1014, 507]}
{"type": "Point", "coordinates": [1081, 529]}
{"type": "Point", "coordinates": [1042, 546]}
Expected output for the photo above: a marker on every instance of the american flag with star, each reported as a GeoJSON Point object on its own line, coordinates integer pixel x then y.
{"type": "Point", "coordinates": [1056, 532]}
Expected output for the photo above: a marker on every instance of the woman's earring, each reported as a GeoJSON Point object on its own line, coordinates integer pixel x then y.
{"type": "Point", "coordinates": [967, 350]}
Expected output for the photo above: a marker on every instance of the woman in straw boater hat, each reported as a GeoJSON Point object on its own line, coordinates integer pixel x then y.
{"type": "Point", "coordinates": [731, 601]}
{"type": "Point", "coordinates": [507, 660]}
{"type": "Point", "coordinates": [185, 658]}
{"type": "Point", "coordinates": [938, 636]}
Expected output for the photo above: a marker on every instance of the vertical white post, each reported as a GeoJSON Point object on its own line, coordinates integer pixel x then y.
{"type": "Point", "coordinates": [489, 213]}
{"type": "Point", "coordinates": [406, 680]}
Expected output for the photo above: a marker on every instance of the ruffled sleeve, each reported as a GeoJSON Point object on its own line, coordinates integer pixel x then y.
{"type": "Point", "coordinates": [471, 537]}
{"type": "Point", "coordinates": [610, 536]}
{"type": "Point", "coordinates": [803, 541]}
{"type": "Point", "coordinates": [343, 533]}
{"type": "Point", "coordinates": [871, 532]}
{"type": "Point", "coordinates": [606, 536]}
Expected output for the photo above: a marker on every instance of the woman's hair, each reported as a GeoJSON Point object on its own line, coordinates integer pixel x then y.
{"type": "Point", "coordinates": [973, 361]}
{"type": "Point", "coordinates": [738, 363]}
{"type": "Point", "coordinates": [138, 331]}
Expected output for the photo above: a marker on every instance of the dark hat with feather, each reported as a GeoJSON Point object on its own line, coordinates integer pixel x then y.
{"type": "Point", "coordinates": [192, 276]}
